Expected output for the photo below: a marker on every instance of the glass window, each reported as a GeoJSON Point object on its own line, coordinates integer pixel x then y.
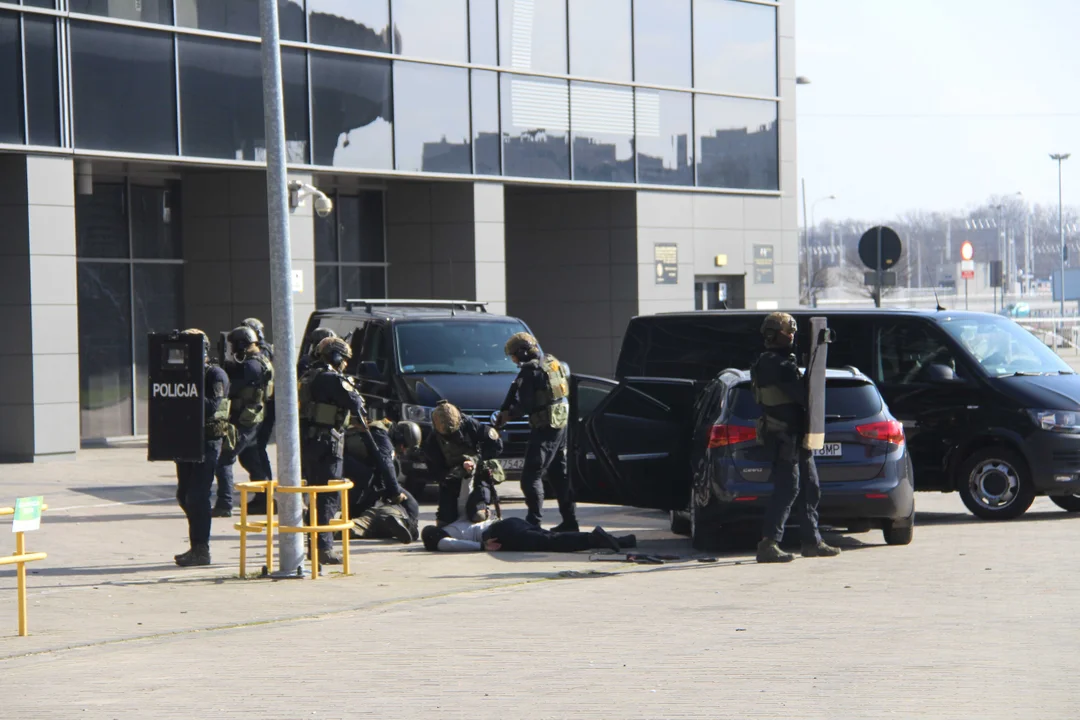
{"type": "Point", "coordinates": [432, 113]}
{"type": "Point", "coordinates": [357, 24]}
{"type": "Point", "coordinates": [535, 119]}
{"type": "Point", "coordinates": [159, 295]}
{"type": "Point", "coordinates": [221, 112]}
{"type": "Point", "coordinates": [737, 143]}
{"type": "Point", "coordinates": [326, 286]}
{"type": "Point", "coordinates": [483, 46]}
{"type": "Point", "coordinates": [348, 227]}
{"type": "Point", "coordinates": [377, 348]}
{"type": "Point", "coordinates": [456, 347]}
{"type": "Point", "coordinates": [345, 241]}
{"type": "Point", "coordinates": [352, 110]}
{"type": "Point", "coordinates": [150, 11]}
{"type": "Point", "coordinates": [41, 3]}
{"type": "Point", "coordinates": [294, 77]}
{"type": "Point", "coordinates": [123, 89]}
{"type": "Point", "coordinates": [101, 229]}
{"type": "Point", "coordinates": [602, 122]}
{"type": "Point", "coordinates": [906, 349]}
{"type": "Point", "coordinates": [600, 44]}
{"type": "Point", "coordinates": [485, 122]}
{"type": "Point", "coordinates": [436, 29]}
{"type": "Point", "coordinates": [371, 229]}
{"type": "Point", "coordinates": [1004, 348]}
{"type": "Point", "coordinates": [42, 94]}
{"type": "Point", "coordinates": [532, 35]}
{"type": "Point", "coordinates": [662, 42]}
{"type": "Point", "coordinates": [104, 292]}
{"type": "Point", "coordinates": [362, 282]}
{"type": "Point", "coordinates": [326, 237]}
{"type": "Point", "coordinates": [239, 16]}
{"type": "Point", "coordinates": [692, 348]}
{"type": "Point", "coordinates": [155, 222]}
{"type": "Point", "coordinates": [11, 106]}
{"type": "Point", "coordinates": [735, 47]}
{"type": "Point", "coordinates": [664, 125]}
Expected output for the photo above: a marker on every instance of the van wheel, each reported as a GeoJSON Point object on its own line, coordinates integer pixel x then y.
{"type": "Point", "coordinates": [680, 523]}
{"type": "Point", "coordinates": [1068, 503]}
{"type": "Point", "coordinates": [995, 484]}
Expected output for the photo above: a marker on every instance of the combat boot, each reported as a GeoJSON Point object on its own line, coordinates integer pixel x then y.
{"type": "Point", "coordinates": [820, 550]}
{"type": "Point", "coordinates": [196, 556]}
{"type": "Point", "coordinates": [567, 526]}
{"type": "Point", "coordinates": [330, 557]}
{"type": "Point", "coordinates": [601, 539]}
{"type": "Point", "coordinates": [398, 528]}
{"type": "Point", "coordinates": [769, 552]}
{"type": "Point", "coordinates": [221, 512]}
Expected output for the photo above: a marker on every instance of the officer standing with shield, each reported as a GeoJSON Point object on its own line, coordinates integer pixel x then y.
{"type": "Point", "coordinates": [781, 392]}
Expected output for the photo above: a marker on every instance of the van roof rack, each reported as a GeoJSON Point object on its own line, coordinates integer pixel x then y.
{"type": "Point", "coordinates": [451, 305]}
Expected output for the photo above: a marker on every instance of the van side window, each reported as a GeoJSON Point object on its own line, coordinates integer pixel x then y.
{"type": "Point", "coordinates": [377, 348]}
{"type": "Point", "coordinates": [906, 349]}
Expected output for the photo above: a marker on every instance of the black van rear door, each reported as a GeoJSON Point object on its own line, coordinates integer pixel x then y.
{"type": "Point", "coordinates": [630, 441]}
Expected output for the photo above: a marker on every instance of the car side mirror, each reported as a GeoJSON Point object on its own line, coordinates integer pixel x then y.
{"type": "Point", "coordinates": [937, 373]}
{"type": "Point", "coordinates": [369, 370]}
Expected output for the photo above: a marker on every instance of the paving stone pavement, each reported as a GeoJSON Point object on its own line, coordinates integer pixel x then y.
{"type": "Point", "coordinates": [973, 620]}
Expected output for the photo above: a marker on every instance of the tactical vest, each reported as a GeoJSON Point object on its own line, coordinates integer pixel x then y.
{"type": "Point", "coordinates": [355, 447]}
{"type": "Point", "coordinates": [251, 401]}
{"type": "Point", "coordinates": [550, 405]}
{"type": "Point", "coordinates": [767, 397]}
{"type": "Point", "coordinates": [455, 449]}
{"type": "Point", "coordinates": [217, 425]}
{"type": "Point", "coordinates": [319, 416]}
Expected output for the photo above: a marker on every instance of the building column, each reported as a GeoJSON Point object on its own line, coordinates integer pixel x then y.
{"type": "Point", "coordinates": [39, 322]}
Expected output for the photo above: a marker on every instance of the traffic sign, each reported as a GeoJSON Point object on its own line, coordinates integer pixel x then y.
{"type": "Point", "coordinates": [967, 269]}
{"type": "Point", "coordinates": [27, 514]}
{"type": "Point", "coordinates": [891, 247]}
{"type": "Point", "coordinates": [967, 252]}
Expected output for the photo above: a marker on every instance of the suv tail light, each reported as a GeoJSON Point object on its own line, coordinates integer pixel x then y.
{"type": "Point", "coordinates": [724, 435]}
{"type": "Point", "coordinates": [891, 431]}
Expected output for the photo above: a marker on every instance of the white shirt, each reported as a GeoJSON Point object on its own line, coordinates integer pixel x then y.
{"type": "Point", "coordinates": [464, 536]}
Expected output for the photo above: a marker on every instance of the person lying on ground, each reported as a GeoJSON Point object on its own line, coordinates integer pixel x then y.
{"type": "Point", "coordinates": [517, 535]}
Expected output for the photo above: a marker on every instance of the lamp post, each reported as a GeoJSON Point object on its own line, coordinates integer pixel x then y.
{"type": "Point", "coordinates": [1060, 158]}
{"type": "Point", "coordinates": [811, 231]}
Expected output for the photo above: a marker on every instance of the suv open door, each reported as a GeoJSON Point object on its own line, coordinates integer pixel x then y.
{"type": "Point", "coordinates": [630, 441]}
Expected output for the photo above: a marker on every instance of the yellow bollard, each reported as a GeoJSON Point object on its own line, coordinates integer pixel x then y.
{"type": "Point", "coordinates": [20, 558]}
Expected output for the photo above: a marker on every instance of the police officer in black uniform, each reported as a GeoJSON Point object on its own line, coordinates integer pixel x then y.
{"type": "Point", "coordinates": [315, 337]}
{"type": "Point", "coordinates": [381, 507]}
{"type": "Point", "coordinates": [541, 391]}
{"type": "Point", "coordinates": [251, 378]}
{"type": "Point", "coordinates": [782, 393]}
{"type": "Point", "coordinates": [455, 453]}
{"type": "Point", "coordinates": [194, 479]}
{"type": "Point", "coordinates": [328, 400]}
{"type": "Point", "coordinates": [256, 455]}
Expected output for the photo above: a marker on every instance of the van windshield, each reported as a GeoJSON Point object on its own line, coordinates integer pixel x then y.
{"type": "Point", "coordinates": [459, 347]}
{"type": "Point", "coordinates": [1004, 348]}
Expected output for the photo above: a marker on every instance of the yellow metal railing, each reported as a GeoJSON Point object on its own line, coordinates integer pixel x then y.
{"type": "Point", "coordinates": [20, 558]}
{"type": "Point", "coordinates": [267, 526]}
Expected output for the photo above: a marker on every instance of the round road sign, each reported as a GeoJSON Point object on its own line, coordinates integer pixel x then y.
{"type": "Point", "coordinates": [966, 251]}
{"type": "Point", "coordinates": [890, 248]}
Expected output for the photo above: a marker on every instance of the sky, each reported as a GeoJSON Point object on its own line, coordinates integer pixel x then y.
{"type": "Point", "coordinates": [936, 104]}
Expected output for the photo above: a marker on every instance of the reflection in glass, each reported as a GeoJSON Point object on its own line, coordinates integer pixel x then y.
{"type": "Point", "coordinates": [155, 222]}
{"type": "Point", "coordinates": [326, 286]}
{"type": "Point", "coordinates": [535, 122]}
{"type": "Point", "coordinates": [352, 111]}
{"type": "Point", "coordinates": [435, 29]}
{"type": "Point", "coordinates": [602, 122]}
{"type": "Point", "coordinates": [356, 24]}
{"type": "Point", "coordinates": [11, 109]}
{"type": "Point", "coordinates": [363, 282]}
{"type": "Point", "coordinates": [101, 228]}
{"type": "Point", "coordinates": [294, 77]}
{"type": "Point", "coordinates": [662, 42]}
{"type": "Point", "coordinates": [600, 39]}
{"type": "Point", "coordinates": [123, 89]}
{"type": "Point", "coordinates": [239, 16]}
{"type": "Point", "coordinates": [431, 106]}
{"type": "Point", "coordinates": [51, 4]}
{"type": "Point", "coordinates": [532, 35]}
{"type": "Point", "coordinates": [483, 48]}
{"type": "Point", "coordinates": [104, 293]}
{"type": "Point", "coordinates": [42, 93]}
{"type": "Point", "coordinates": [159, 293]}
{"type": "Point", "coordinates": [735, 47]}
{"type": "Point", "coordinates": [736, 143]}
{"type": "Point", "coordinates": [221, 99]}
{"type": "Point", "coordinates": [485, 120]}
{"type": "Point", "coordinates": [664, 122]}
{"type": "Point", "coordinates": [150, 11]}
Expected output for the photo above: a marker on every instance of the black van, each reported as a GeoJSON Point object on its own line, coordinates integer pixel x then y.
{"type": "Point", "coordinates": [988, 409]}
{"type": "Point", "coordinates": [409, 354]}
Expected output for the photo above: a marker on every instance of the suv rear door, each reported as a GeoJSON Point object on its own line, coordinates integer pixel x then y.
{"type": "Point", "coordinates": [630, 441]}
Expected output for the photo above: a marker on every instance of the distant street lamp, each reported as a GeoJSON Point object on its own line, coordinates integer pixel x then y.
{"type": "Point", "coordinates": [1060, 158]}
{"type": "Point", "coordinates": [802, 80]}
{"type": "Point", "coordinates": [809, 251]}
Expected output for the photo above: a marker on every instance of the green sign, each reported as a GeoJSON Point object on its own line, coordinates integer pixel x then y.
{"type": "Point", "coordinates": [27, 514]}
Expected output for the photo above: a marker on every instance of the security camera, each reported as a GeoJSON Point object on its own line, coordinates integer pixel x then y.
{"type": "Point", "coordinates": [323, 205]}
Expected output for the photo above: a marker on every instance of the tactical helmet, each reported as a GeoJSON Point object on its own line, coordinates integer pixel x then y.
{"type": "Point", "coordinates": [406, 434]}
{"type": "Point", "coordinates": [241, 338]}
{"type": "Point", "coordinates": [257, 326]}
{"type": "Point", "coordinates": [205, 340]}
{"type": "Point", "coordinates": [445, 417]}
{"type": "Point", "coordinates": [775, 324]}
{"type": "Point", "coordinates": [317, 336]}
{"type": "Point", "coordinates": [521, 343]}
{"type": "Point", "coordinates": [333, 350]}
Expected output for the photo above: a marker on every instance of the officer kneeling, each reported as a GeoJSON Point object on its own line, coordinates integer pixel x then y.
{"type": "Point", "coordinates": [382, 508]}
{"type": "Point", "coordinates": [782, 393]}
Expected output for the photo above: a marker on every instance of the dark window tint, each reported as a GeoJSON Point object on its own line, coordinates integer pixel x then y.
{"type": "Point", "coordinates": [101, 228]}
{"type": "Point", "coordinates": [665, 147]}
{"type": "Point", "coordinates": [326, 286]}
{"type": "Point", "coordinates": [482, 32]}
{"type": "Point", "coordinates": [432, 112]}
{"type": "Point", "coordinates": [239, 16]}
{"type": "Point", "coordinates": [41, 3]}
{"type": "Point", "coordinates": [851, 344]}
{"type": "Point", "coordinates": [326, 236]}
{"type": "Point", "coordinates": [360, 227]}
{"type": "Point", "coordinates": [906, 349]}
{"type": "Point", "coordinates": [357, 24]}
{"type": "Point", "coordinates": [693, 348]}
{"type": "Point", "coordinates": [535, 121]}
{"type": "Point", "coordinates": [436, 29]}
{"type": "Point", "coordinates": [662, 42]}
{"type": "Point", "coordinates": [221, 99]}
{"type": "Point", "coordinates": [123, 89]}
{"type": "Point", "coordinates": [159, 296]}
{"type": "Point", "coordinates": [362, 282]}
{"type": "Point", "coordinates": [735, 47]}
{"type": "Point", "coordinates": [736, 143]}
{"type": "Point", "coordinates": [843, 401]}
{"type": "Point", "coordinates": [633, 403]}
{"type": "Point", "coordinates": [600, 44]}
{"type": "Point", "coordinates": [11, 101]}
{"type": "Point", "coordinates": [532, 35]}
{"type": "Point", "coordinates": [150, 11]}
{"type": "Point", "coordinates": [155, 222]}
{"type": "Point", "coordinates": [455, 346]}
{"type": "Point", "coordinates": [42, 94]}
{"type": "Point", "coordinates": [602, 122]}
{"type": "Point", "coordinates": [294, 77]}
{"type": "Point", "coordinates": [485, 122]}
{"type": "Point", "coordinates": [377, 348]}
{"type": "Point", "coordinates": [351, 105]}
{"type": "Point", "coordinates": [104, 291]}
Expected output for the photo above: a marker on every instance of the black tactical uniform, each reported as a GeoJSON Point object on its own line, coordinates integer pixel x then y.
{"type": "Point", "coordinates": [381, 508]}
{"type": "Point", "coordinates": [252, 383]}
{"type": "Point", "coordinates": [445, 456]}
{"type": "Point", "coordinates": [256, 456]}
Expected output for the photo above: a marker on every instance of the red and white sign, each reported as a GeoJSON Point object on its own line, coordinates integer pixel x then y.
{"type": "Point", "coordinates": [967, 268]}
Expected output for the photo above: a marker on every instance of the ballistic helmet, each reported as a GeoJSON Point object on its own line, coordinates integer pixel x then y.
{"type": "Point", "coordinates": [317, 336]}
{"type": "Point", "coordinates": [205, 340]}
{"type": "Point", "coordinates": [241, 338]}
{"type": "Point", "coordinates": [333, 351]}
{"type": "Point", "coordinates": [777, 324]}
{"type": "Point", "coordinates": [431, 536]}
{"type": "Point", "coordinates": [520, 344]}
{"type": "Point", "coordinates": [256, 326]}
{"type": "Point", "coordinates": [445, 417]}
{"type": "Point", "coordinates": [406, 434]}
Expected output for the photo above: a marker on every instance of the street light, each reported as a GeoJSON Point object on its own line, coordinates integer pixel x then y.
{"type": "Point", "coordinates": [809, 256]}
{"type": "Point", "coordinates": [802, 80]}
{"type": "Point", "coordinates": [1060, 158]}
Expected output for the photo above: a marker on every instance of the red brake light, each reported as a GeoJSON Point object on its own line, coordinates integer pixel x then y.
{"type": "Point", "coordinates": [724, 435]}
{"type": "Point", "coordinates": [891, 431]}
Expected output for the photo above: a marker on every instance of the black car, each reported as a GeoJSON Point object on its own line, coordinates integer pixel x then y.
{"type": "Point", "coordinates": [409, 354]}
{"type": "Point", "coordinates": [864, 469]}
{"type": "Point", "coordinates": [988, 410]}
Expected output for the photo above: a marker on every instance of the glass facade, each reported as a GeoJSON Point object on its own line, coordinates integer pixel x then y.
{"type": "Point", "coordinates": [656, 92]}
{"type": "Point", "coordinates": [350, 249]}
